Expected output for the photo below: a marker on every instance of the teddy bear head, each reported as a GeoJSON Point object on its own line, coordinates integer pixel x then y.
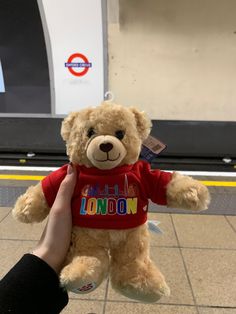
{"type": "Point", "coordinates": [106, 136]}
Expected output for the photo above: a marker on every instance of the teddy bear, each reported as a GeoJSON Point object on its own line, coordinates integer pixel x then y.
{"type": "Point", "coordinates": [110, 235]}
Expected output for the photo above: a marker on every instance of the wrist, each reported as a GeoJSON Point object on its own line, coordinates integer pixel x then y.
{"type": "Point", "coordinates": [47, 257]}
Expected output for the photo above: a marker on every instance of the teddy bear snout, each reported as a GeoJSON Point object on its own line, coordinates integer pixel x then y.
{"type": "Point", "coordinates": [106, 147]}
{"type": "Point", "coordinates": [105, 151]}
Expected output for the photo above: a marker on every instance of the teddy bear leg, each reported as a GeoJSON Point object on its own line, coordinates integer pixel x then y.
{"type": "Point", "coordinates": [31, 206]}
{"type": "Point", "coordinates": [86, 271]}
{"type": "Point", "coordinates": [133, 274]}
{"type": "Point", "coordinates": [87, 265]}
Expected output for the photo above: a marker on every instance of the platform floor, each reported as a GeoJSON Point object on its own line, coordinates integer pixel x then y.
{"type": "Point", "coordinates": [197, 254]}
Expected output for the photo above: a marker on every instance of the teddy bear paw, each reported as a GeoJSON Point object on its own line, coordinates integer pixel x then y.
{"type": "Point", "coordinates": [78, 286]}
{"type": "Point", "coordinates": [144, 296]}
{"type": "Point", "coordinates": [187, 193]}
{"type": "Point", "coordinates": [164, 290]}
{"type": "Point", "coordinates": [196, 198]}
{"type": "Point", "coordinates": [143, 293]}
{"type": "Point", "coordinates": [79, 278]}
{"type": "Point", "coordinates": [191, 197]}
{"type": "Point", "coordinates": [22, 210]}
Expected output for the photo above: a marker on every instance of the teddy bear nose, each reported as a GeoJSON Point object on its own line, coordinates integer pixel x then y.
{"type": "Point", "coordinates": [106, 147]}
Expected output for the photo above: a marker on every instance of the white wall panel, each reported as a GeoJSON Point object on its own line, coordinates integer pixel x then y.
{"type": "Point", "coordinates": [74, 27]}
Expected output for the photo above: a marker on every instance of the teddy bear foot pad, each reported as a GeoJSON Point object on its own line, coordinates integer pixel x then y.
{"type": "Point", "coordinates": [142, 295]}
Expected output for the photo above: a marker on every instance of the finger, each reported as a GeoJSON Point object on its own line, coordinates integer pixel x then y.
{"type": "Point", "coordinates": [66, 189]}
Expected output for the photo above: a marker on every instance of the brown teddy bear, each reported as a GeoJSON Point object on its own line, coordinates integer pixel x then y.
{"type": "Point", "coordinates": [110, 202]}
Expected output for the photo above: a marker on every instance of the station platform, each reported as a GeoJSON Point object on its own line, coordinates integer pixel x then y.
{"type": "Point", "coordinates": [196, 252]}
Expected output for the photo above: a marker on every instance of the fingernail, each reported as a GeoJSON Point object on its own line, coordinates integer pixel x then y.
{"type": "Point", "coordinates": [69, 169]}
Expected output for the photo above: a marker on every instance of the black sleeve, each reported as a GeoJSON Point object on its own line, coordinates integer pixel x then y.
{"type": "Point", "coordinates": [31, 287]}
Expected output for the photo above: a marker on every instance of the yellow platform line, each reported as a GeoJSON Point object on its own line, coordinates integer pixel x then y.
{"type": "Point", "coordinates": [219, 183]}
{"type": "Point", "coordinates": [20, 177]}
{"type": "Point", "coordinates": [38, 178]}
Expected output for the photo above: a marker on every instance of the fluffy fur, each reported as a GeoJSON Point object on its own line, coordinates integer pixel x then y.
{"type": "Point", "coordinates": [94, 253]}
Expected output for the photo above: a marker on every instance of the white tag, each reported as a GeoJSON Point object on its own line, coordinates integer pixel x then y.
{"type": "Point", "coordinates": [153, 226]}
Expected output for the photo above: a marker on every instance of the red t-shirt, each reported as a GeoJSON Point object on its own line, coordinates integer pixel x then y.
{"type": "Point", "coordinates": [111, 199]}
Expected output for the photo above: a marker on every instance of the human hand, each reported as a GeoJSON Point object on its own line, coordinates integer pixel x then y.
{"type": "Point", "coordinates": [55, 240]}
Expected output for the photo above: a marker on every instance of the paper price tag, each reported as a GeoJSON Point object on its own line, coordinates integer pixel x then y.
{"type": "Point", "coordinates": [151, 148]}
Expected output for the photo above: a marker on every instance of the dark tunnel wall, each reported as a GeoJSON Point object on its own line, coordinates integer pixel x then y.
{"type": "Point", "coordinates": [24, 58]}
{"type": "Point", "coordinates": [183, 138]}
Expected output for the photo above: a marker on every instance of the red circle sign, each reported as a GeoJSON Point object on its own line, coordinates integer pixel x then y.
{"type": "Point", "coordinates": [85, 68]}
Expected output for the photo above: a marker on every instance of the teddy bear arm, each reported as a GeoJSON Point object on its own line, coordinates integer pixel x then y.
{"type": "Point", "coordinates": [186, 193]}
{"type": "Point", "coordinates": [31, 206]}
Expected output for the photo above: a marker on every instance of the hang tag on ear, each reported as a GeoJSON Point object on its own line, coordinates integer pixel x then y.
{"type": "Point", "coordinates": [151, 148]}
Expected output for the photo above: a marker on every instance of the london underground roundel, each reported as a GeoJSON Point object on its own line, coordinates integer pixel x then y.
{"type": "Point", "coordinates": [78, 64]}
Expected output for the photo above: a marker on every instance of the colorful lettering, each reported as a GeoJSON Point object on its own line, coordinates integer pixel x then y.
{"type": "Point", "coordinates": [102, 206]}
{"type": "Point", "coordinates": [111, 206]}
{"type": "Point", "coordinates": [132, 205]}
{"type": "Point", "coordinates": [82, 207]}
{"type": "Point", "coordinates": [108, 206]}
{"type": "Point", "coordinates": [92, 206]}
{"type": "Point", "coordinates": [121, 206]}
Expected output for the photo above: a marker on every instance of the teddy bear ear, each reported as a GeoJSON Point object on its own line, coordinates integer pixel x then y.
{"type": "Point", "coordinates": [67, 125]}
{"type": "Point", "coordinates": [143, 123]}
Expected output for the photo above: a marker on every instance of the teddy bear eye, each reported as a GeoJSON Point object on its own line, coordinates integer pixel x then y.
{"type": "Point", "coordinates": [90, 132]}
{"type": "Point", "coordinates": [120, 134]}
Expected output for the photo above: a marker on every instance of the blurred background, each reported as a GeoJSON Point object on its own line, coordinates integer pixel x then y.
{"type": "Point", "coordinates": [173, 59]}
